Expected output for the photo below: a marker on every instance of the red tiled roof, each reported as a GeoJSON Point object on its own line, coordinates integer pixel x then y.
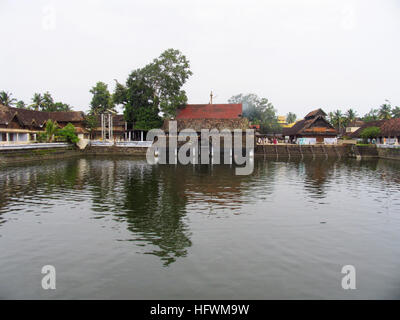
{"type": "Point", "coordinates": [210, 111]}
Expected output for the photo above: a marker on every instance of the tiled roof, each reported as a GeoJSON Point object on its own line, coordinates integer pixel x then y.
{"type": "Point", "coordinates": [198, 124]}
{"type": "Point", "coordinates": [210, 111]}
{"type": "Point", "coordinates": [305, 127]}
{"type": "Point", "coordinates": [389, 128]}
{"type": "Point", "coordinates": [315, 113]}
{"type": "Point", "coordinates": [38, 118]}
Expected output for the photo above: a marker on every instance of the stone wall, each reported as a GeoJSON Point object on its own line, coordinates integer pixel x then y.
{"type": "Point", "coordinates": [23, 155]}
{"type": "Point", "coordinates": [389, 153]}
{"type": "Point", "coordinates": [114, 150]}
{"type": "Point", "coordinates": [302, 151]}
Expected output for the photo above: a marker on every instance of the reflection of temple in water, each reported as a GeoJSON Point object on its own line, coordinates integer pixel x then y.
{"type": "Point", "coordinates": [153, 200]}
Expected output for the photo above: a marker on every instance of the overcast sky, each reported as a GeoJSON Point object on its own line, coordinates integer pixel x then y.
{"type": "Point", "coordinates": [299, 54]}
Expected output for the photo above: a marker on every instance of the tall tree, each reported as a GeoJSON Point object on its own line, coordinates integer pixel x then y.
{"type": "Point", "coordinates": [6, 100]}
{"type": "Point", "coordinates": [372, 115]}
{"type": "Point", "coordinates": [166, 75]}
{"type": "Point", "coordinates": [396, 112]}
{"type": "Point", "coordinates": [21, 105]}
{"type": "Point", "coordinates": [258, 111]}
{"type": "Point", "coordinates": [351, 115]}
{"type": "Point", "coordinates": [385, 110]}
{"type": "Point", "coordinates": [291, 117]}
{"type": "Point", "coordinates": [47, 103]}
{"type": "Point", "coordinates": [37, 102]}
{"type": "Point", "coordinates": [337, 119]}
{"type": "Point", "coordinates": [139, 102]}
{"type": "Point", "coordinates": [154, 90]}
{"type": "Point", "coordinates": [101, 101]}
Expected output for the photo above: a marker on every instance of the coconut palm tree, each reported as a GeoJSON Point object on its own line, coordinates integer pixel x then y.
{"type": "Point", "coordinates": [37, 101]}
{"type": "Point", "coordinates": [351, 115]}
{"type": "Point", "coordinates": [396, 112]}
{"type": "Point", "coordinates": [385, 110]}
{"type": "Point", "coordinates": [6, 100]}
{"type": "Point", "coordinates": [291, 117]}
{"type": "Point", "coordinates": [51, 129]}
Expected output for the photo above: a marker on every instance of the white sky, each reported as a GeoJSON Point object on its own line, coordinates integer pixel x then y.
{"type": "Point", "coordinates": [299, 54]}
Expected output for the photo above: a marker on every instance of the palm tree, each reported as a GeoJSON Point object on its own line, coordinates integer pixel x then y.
{"type": "Point", "coordinates": [372, 115]}
{"type": "Point", "coordinates": [20, 105]}
{"type": "Point", "coordinates": [37, 101]}
{"type": "Point", "coordinates": [291, 117]}
{"type": "Point", "coordinates": [6, 100]}
{"type": "Point", "coordinates": [337, 120]}
{"type": "Point", "coordinates": [351, 115]}
{"type": "Point", "coordinates": [396, 112]}
{"type": "Point", "coordinates": [51, 129]}
{"type": "Point", "coordinates": [385, 110]}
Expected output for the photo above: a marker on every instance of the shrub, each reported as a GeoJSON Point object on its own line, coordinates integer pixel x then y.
{"type": "Point", "coordinates": [68, 134]}
{"type": "Point", "coordinates": [370, 133]}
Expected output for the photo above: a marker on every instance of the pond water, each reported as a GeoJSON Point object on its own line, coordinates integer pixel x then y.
{"type": "Point", "coordinates": [120, 228]}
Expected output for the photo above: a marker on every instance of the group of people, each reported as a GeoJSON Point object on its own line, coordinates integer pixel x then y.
{"type": "Point", "coordinates": [265, 140]}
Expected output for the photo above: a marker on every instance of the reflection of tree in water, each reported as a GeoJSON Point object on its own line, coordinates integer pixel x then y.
{"type": "Point", "coordinates": [154, 207]}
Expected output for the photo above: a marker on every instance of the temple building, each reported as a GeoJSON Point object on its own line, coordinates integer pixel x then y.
{"type": "Point", "coordinates": [22, 125]}
{"type": "Point", "coordinates": [314, 128]}
{"type": "Point", "coordinates": [389, 131]}
{"type": "Point", "coordinates": [209, 116]}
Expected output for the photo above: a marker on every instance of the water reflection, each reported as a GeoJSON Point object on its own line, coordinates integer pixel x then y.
{"type": "Point", "coordinates": [153, 201]}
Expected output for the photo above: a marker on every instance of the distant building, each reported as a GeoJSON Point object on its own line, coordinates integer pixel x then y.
{"type": "Point", "coordinates": [389, 131]}
{"type": "Point", "coordinates": [314, 128]}
{"type": "Point", "coordinates": [210, 116]}
{"type": "Point", "coordinates": [354, 126]}
{"type": "Point", "coordinates": [22, 125]}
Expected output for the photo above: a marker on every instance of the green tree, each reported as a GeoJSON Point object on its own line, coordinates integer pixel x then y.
{"type": "Point", "coordinates": [351, 115]}
{"type": "Point", "coordinates": [396, 112]}
{"type": "Point", "coordinates": [37, 102]}
{"type": "Point", "coordinates": [258, 111]}
{"type": "Point", "coordinates": [385, 110]}
{"type": "Point", "coordinates": [91, 123]}
{"type": "Point", "coordinates": [291, 117]}
{"type": "Point", "coordinates": [139, 102]}
{"type": "Point", "coordinates": [68, 133]}
{"type": "Point", "coordinates": [166, 75]}
{"type": "Point", "coordinates": [60, 106]}
{"type": "Point", "coordinates": [6, 100]}
{"type": "Point", "coordinates": [51, 130]}
{"type": "Point", "coordinates": [370, 133]}
{"type": "Point", "coordinates": [372, 115]}
{"type": "Point", "coordinates": [47, 102]}
{"type": "Point", "coordinates": [337, 119]}
{"type": "Point", "coordinates": [21, 105]}
{"type": "Point", "coordinates": [101, 101]}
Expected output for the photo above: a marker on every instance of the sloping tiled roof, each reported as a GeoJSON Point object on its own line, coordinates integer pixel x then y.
{"type": "Point", "coordinates": [376, 123]}
{"type": "Point", "coordinates": [210, 111]}
{"type": "Point", "coordinates": [315, 113]}
{"type": "Point", "coordinates": [304, 127]}
{"type": "Point", "coordinates": [198, 124]}
{"type": "Point", "coordinates": [389, 128]}
{"type": "Point", "coordinates": [27, 117]}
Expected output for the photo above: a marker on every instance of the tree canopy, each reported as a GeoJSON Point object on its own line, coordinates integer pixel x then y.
{"type": "Point", "coordinates": [45, 102]}
{"type": "Point", "coordinates": [258, 111]}
{"type": "Point", "coordinates": [370, 133]}
{"type": "Point", "coordinates": [154, 90]}
{"type": "Point", "coordinates": [6, 100]}
{"type": "Point", "coordinates": [102, 100]}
